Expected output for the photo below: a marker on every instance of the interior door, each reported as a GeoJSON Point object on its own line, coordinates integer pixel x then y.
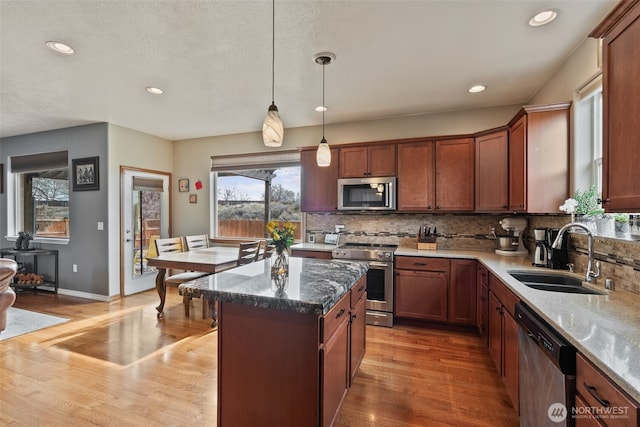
{"type": "Point", "coordinates": [145, 202]}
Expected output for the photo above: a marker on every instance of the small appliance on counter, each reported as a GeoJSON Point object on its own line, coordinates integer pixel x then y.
{"type": "Point", "coordinates": [558, 259]}
{"type": "Point", "coordinates": [511, 245]}
{"type": "Point", "coordinates": [541, 254]}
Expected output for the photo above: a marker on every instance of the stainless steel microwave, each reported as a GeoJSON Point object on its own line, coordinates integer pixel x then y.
{"type": "Point", "coordinates": [367, 194]}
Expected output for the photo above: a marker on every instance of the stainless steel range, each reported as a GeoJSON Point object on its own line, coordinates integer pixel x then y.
{"type": "Point", "coordinates": [379, 278]}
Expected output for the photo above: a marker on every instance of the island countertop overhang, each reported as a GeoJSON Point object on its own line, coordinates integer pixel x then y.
{"type": "Point", "coordinates": [314, 285]}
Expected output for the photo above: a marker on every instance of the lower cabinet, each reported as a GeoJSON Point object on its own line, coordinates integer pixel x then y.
{"type": "Point", "coordinates": [503, 335]}
{"type": "Point", "coordinates": [482, 303]}
{"type": "Point", "coordinates": [436, 289]}
{"type": "Point", "coordinates": [357, 329]}
{"type": "Point", "coordinates": [334, 361]}
{"type": "Point", "coordinates": [301, 253]}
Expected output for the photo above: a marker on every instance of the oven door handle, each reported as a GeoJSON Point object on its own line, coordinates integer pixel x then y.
{"type": "Point", "coordinates": [384, 265]}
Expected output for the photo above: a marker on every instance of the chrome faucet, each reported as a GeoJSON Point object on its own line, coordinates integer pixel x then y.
{"type": "Point", "coordinates": [591, 274]}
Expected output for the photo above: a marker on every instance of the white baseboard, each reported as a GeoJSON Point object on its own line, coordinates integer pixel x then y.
{"type": "Point", "coordinates": [87, 295]}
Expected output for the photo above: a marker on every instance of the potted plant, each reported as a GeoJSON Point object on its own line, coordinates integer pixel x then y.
{"type": "Point", "coordinates": [621, 224]}
{"type": "Point", "coordinates": [589, 211]}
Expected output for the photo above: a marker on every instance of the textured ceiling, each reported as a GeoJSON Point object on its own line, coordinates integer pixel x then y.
{"type": "Point", "coordinates": [213, 59]}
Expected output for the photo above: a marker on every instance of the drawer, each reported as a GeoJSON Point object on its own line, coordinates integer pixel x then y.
{"type": "Point", "coordinates": [500, 290]}
{"type": "Point", "coordinates": [611, 405]}
{"type": "Point", "coordinates": [358, 290]}
{"type": "Point", "coordinates": [301, 253]}
{"type": "Point", "coordinates": [421, 263]}
{"type": "Point", "coordinates": [331, 321]}
{"type": "Point", "coordinates": [583, 416]}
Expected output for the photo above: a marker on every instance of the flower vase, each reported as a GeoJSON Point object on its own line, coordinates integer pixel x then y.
{"type": "Point", "coordinates": [280, 268]}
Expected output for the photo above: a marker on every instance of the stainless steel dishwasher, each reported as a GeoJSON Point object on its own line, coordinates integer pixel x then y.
{"type": "Point", "coordinates": [547, 368]}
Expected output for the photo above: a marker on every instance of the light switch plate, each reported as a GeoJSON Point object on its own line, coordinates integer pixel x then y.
{"type": "Point", "coordinates": [100, 225]}
{"type": "Point", "coordinates": [331, 238]}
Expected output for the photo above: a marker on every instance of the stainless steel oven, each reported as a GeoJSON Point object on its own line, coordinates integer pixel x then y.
{"type": "Point", "coordinates": [380, 278]}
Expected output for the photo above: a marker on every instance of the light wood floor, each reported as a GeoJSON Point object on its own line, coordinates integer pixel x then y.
{"type": "Point", "coordinates": [115, 364]}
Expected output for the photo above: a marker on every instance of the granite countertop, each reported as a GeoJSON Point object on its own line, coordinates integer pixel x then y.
{"type": "Point", "coordinates": [605, 328]}
{"type": "Point", "coordinates": [314, 285]}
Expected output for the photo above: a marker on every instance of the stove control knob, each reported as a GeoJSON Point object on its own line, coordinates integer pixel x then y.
{"type": "Point", "coordinates": [387, 255]}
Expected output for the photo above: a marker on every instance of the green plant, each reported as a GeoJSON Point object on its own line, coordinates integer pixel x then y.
{"type": "Point", "coordinates": [588, 201]}
{"type": "Point", "coordinates": [623, 217]}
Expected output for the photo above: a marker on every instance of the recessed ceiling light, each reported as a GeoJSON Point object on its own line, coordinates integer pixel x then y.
{"type": "Point", "coordinates": [477, 88]}
{"type": "Point", "coordinates": [321, 108]}
{"type": "Point", "coordinates": [154, 90]}
{"type": "Point", "coordinates": [543, 17]}
{"type": "Point", "coordinates": [60, 47]}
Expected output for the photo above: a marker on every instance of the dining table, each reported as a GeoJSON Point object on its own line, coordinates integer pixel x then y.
{"type": "Point", "coordinates": [207, 260]}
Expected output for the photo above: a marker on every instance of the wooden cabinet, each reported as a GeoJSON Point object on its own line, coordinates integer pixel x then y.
{"type": "Point", "coordinates": [620, 31]}
{"type": "Point", "coordinates": [319, 186]}
{"type": "Point", "coordinates": [455, 175]}
{"type": "Point", "coordinates": [603, 402]}
{"type": "Point", "coordinates": [416, 176]}
{"type": "Point", "coordinates": [462, 292]}
{"type": "Point", "coordinates": [503, 335]}
{"type": "Point", "coordinates": [492, 171]}
{"type": "Point", "coordinates": [482, 310]}
{"type": "Point", "coordinates": [539, 158]}
{"type": "Point", "coordinates": [368, 160]}
{"type": "Point", "coordinates": [310, 254]}
{"type": "Point", "coordinates": [421, 288]}
{"type": "Point", "coordinates": [358, 327]}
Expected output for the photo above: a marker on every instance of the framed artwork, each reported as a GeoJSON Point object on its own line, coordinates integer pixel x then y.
{"type": "Point", "coordinates": [193, 198]}
{"type": "Point", "coordinates": [86, 174]}
{"type": "Point", "coordinates": [183, 185]}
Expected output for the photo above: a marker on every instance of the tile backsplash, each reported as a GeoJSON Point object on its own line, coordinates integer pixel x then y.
{"type": "Point", "coordinates": [620, 259]}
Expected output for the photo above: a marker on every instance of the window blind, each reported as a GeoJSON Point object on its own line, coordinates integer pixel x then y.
{"type": "Point", "coordinates": [147, 184]}
{"type": "Point", "coordinates": [39, 162]}
{"type": "Point", "coordinates": [255, 161]}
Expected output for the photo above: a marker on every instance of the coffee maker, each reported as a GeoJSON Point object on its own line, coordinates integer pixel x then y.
{"type": "Point", "coordinates": [557, 259]}
{"type": "Point", "coordinates": [541, 254]}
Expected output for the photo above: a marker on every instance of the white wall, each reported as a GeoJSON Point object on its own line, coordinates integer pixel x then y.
{"type": "Point", "coordinates": [192, 157]}
{"type": "Point", "coordinates": [135, 149]}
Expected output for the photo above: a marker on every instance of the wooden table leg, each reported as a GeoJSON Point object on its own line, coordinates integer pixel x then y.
{"type": "Point", "coordinates": [161, 287]}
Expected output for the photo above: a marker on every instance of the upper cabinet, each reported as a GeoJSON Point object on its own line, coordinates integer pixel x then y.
{"type": "Point", "coordinates": [539, 158]}
{"type": "Point", "coordinates": [492, 171]}
{"type": "Point", "coordinates": [620, 31]}
{"type": "Point", "coordinates": [319, 184]}
{"type": "Point", "coordinates": [368, 161]}
{"type": "Point", "coordinates": [416, 176]}
{"type": "Point", "coordinates": [455, 174]}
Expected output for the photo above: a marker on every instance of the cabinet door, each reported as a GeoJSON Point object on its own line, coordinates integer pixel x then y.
{"type": "Point", "coordinates": [353, 162]}
{"type": "Point", "coordinates": [510, 357]}
{"type": "Point", "coordinates": [416, 176]}
{"type": "Point", "coordinates": [358, 329]}
{"type": "Point", "coordinates": [335, 372]}
{"type": "Point", "coordinates": [382, 160]}
{"type": "Point", "coordinates": [462, 292]}
{"type": "Point", "coordinates": [421, 295]}
{"type": "Point", "coordinates": [492, 172]}
{"type": "Point", "coordinates": [301, 253]}
{"type": "Point", "coordinates": [455, 175]}
{"type": "Point", "coordinates": [621, 109]}
{"type": "Point", "coordinates": [495, 331]}
{"type": "Point", "coordinates": [319, 185]}
{"type": "Point", "coordinates": [518, 166]}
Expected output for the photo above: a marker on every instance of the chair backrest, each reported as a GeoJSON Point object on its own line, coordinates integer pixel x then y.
{"type": "Point", "coordinates": [248, 252]}
{"type": "Point", "coordinates": [268, 250]}
{"type": "Point", "coordinates": [196, 242]}
{"type": "Point", "coordinates": [171, 244]}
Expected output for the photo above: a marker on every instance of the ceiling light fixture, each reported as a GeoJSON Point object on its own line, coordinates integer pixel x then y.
{"type": "Point", "coordinates": [60, 47]}
{"type": "Point", "coordinates": [154, 90]}
{"type": "Point", "coordinates": [477, 88]}
{"type": "Point", "coordinates": [272, 128]}
{"type": "Point", "coordinates": [323, 155]}
{"type": "Point", "coordinates": [543, 17]}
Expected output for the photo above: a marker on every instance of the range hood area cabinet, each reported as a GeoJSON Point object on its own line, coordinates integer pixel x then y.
{"type": "Point", "coordinates": [375, 160]}
{"type": "Point", "coordinates": [319, 184]}
{"type": "Point", "coordinates": [620, 31]}
{"type": "Point", "coordinates": [539, 158]}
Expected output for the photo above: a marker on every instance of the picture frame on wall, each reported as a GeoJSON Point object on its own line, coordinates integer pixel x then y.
{"type": "Point", "coordinates": [193, 198]}
{"type": "Point", "coordinates": [183, 185]}
{"type": "Point", "coordinates": [86, 173]}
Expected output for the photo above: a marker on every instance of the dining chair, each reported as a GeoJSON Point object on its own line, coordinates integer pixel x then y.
{"type": "Point", "coordinates": [175, 244]}
{"type": "Point", "coordinates": [268, 250]}
{"type": "Point", "coordinates": [198, 241]}
{"type": "Point", "coordinates": [248, 252]}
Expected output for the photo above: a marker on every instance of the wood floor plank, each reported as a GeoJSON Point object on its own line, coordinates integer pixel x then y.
{"type": "Point", "coordinates": [116, 364]}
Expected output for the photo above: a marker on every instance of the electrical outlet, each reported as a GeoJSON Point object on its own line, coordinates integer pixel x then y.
{"type": "Point", "coordinates": [75, 268]}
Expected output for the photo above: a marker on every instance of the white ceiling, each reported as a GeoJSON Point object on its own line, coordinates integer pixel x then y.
{"type": "Point", "coordinates": [213, 59]}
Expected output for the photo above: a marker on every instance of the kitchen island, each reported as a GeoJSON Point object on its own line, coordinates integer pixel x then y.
{"type": "Point", "coordinates": [286, 357]}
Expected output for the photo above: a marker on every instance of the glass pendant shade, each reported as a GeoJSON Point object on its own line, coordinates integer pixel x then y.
{"type": "Point", "coordinates": [323, 155]}
{"type": "Point", "coordinates": [272, 128]}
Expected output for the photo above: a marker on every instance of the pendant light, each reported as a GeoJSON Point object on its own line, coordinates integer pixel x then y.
{"type": "Point", "coordinates": [323, 155]}
{"type": "Point", "coordinates": [272, 128]}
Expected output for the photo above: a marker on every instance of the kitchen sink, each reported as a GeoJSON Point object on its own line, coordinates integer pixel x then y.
{"type": "Point", "coordinates": [552, 282]}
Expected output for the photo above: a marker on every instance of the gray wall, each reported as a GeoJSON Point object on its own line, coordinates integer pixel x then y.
{"type": "Point", "coordinates": [88, 247]}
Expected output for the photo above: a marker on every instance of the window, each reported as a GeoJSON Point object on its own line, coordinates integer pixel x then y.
{"type": "Point", "coordinates": [41, 194]}
{"type": "Point", "coordinates": [588, 135]}
{"type": "Point", "coordinates": [250, 191]}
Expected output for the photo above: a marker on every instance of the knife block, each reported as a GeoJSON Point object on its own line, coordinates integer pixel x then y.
{"type": "Point", "coordinates": [428, 243]}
